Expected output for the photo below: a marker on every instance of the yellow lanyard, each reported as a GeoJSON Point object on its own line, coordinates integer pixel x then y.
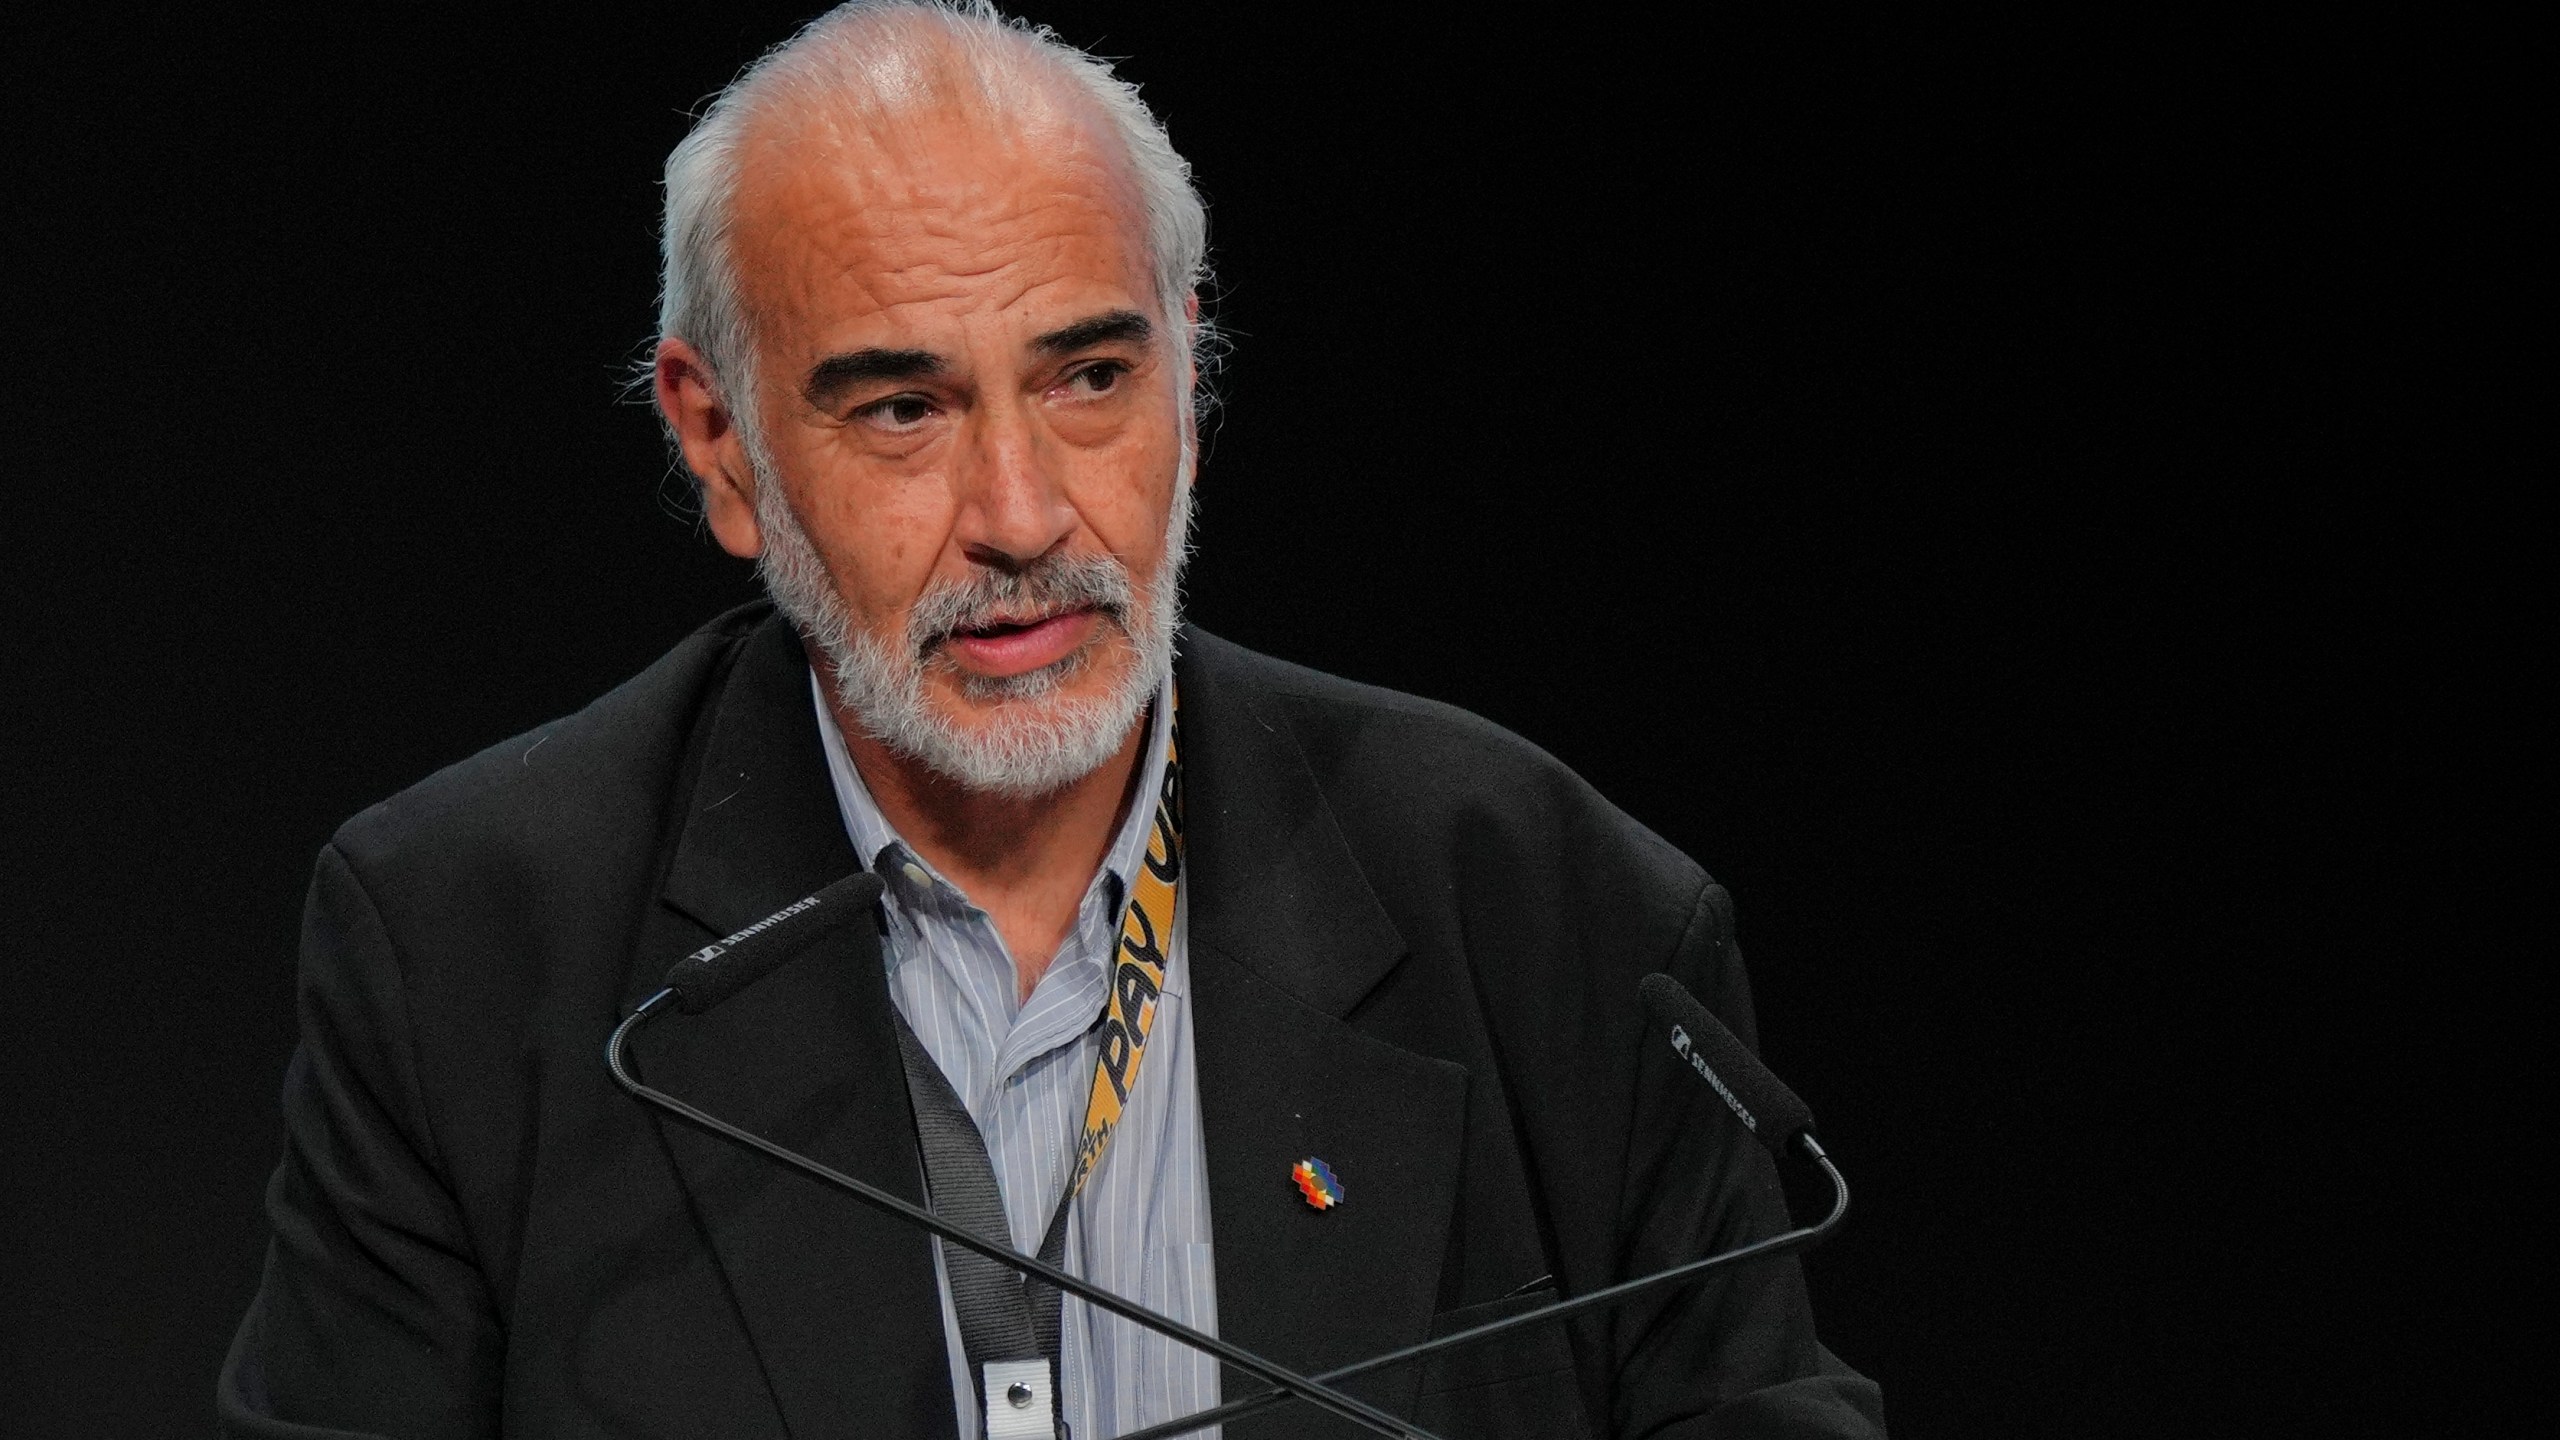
{"type": "Point", "coordinates": [1137, 976]}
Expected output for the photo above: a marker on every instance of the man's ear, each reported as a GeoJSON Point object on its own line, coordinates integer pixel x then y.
{"type": "Point", "coordinates": [689, 397]}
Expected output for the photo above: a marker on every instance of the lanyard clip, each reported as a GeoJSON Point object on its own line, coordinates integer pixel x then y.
{"type": "Point", "coordinates": [1021, 1400]}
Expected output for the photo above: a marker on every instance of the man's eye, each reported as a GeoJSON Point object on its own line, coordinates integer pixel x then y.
{"type": "Point", "coordinates": [1096, 379]}
{"type": "Point", "coordinates": [899, 412]}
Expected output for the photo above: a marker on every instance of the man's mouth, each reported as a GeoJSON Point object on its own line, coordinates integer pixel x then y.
{"type": "Point", "coordinates": [996, 628]}
{"type": "Point", "coordinates": [1007, 645]}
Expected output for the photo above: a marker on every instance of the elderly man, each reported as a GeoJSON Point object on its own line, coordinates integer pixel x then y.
{"type": "Point", "coordinates": [929, 339]}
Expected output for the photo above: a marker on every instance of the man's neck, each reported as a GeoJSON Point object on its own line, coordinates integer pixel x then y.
{"type": "Point", "coordinates": [1026, 862]}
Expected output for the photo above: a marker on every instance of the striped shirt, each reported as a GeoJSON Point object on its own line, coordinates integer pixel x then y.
{"type": "Point", "coordinates": [1025, 1070]}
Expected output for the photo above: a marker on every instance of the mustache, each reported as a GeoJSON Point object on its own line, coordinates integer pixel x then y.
{"type": "Point", "coordinates": [1050, 585]}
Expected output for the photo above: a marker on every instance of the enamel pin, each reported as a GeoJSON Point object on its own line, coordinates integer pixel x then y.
{"type": "Point", "coordinates": [1317, 1182]}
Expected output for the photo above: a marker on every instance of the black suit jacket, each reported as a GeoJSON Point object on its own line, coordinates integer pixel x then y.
{"type": "Point", "coordinates": [1414, 941]}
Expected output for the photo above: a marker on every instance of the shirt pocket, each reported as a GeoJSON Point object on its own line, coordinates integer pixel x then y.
{"type": "Point", "coordinates": [1175, 1275]}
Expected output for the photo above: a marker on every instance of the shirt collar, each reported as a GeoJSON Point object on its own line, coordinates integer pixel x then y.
{"type": "Point", "coordinates": [887, 853]}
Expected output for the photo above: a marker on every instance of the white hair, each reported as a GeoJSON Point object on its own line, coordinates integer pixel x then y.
{"type": "Point", "coordinates": [875, 59]}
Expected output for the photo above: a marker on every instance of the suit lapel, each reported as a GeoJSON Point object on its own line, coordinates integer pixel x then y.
{"type": "Point", "coordinates": [1286, 939]}
{"type": "Point", "coordinates": [838, 1299]}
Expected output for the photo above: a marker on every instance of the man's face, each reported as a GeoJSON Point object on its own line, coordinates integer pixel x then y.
{"type": "Point", "coordinates": [969, 418]}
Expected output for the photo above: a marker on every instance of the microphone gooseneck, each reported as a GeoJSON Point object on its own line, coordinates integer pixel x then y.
{"type": "Point", "coordinates": [1766, 1107]}
{"type": "Point", "coordinates": [764, 947]}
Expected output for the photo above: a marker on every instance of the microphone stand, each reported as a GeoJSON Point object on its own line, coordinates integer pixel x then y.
{"type": "Point", "coordinates": [1285, 1383]}
{"type": "Point", "coordinates": [1801, 1238]}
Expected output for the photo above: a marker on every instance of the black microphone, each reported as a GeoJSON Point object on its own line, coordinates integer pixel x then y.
{"type": "Point", "coordinates": [1764, 1105]}
{"type": "Point", "coordinates": [1760, 1100]}
{"type": "Point", "coordinates": [718, 971]}
{"type": "Point", "coordinates": [724, 967]}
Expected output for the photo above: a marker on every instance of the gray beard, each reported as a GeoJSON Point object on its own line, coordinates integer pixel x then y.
{"type": "Point", "coordinates": [1036, 742]}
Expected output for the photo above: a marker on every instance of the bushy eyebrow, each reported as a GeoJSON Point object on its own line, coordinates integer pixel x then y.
{"type": "Point", "coordinates": [1112, 327]}
{"type": "Point", "coordinates": [831, 377]}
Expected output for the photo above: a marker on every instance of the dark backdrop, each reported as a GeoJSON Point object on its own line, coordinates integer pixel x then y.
{"type": "Point", "coordinates": [1960, 482]}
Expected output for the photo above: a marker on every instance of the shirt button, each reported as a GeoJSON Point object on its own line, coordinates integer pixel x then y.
{"type": "Point", "coordinates": [916, 875]}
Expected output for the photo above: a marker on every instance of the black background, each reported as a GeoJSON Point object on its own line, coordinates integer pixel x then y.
{"type": "Point", "coordinates": [1965, 482]}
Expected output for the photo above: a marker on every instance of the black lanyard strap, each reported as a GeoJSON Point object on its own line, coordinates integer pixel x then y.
{"type": "Point", "coordinates": [1002, 1315]}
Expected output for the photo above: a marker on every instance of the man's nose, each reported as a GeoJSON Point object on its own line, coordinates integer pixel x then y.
{"type": "Point", "coordinates": [1012, 508]}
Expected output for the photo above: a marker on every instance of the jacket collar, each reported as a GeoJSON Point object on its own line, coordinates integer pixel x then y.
{"type": "Point", "coordinates": [1273, 882]}
{"type": "Point", "coordinates": [759, 827]}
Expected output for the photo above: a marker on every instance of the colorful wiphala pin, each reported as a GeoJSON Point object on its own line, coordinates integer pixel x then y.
{"type": "Point", "coordinates": [1317, 1182]}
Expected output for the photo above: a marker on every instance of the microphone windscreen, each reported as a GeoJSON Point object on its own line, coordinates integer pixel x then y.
{"type": "Point", "coordinates": [1766, 1107]}
{"type": "Point", "coordinates": [723, 968]}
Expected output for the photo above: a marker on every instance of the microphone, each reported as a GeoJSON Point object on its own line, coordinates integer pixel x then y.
{"type": "Point", "coordinates": [724, 967]}
{"type": "Point", "coordinates": [1764, 1105]}
{"type": "Point", "coordinates": [1760, 1100]}
{"type": "Point", "coordinates": [719, 971]}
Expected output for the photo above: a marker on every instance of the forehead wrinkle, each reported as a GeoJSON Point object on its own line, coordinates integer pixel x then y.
{"type": "Point", "coordinates": [831, 206]}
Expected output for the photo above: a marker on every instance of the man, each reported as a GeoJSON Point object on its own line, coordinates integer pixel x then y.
{"type": "Point", "coordinates": [928, 346]}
